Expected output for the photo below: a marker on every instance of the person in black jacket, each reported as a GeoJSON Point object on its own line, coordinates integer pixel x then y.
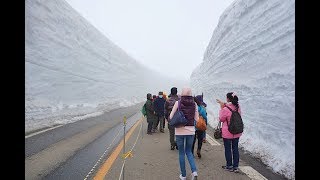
{"type": "Point", "coordinates": [159, 110]}
{"type": "Point", "coordinates": [173, 97]}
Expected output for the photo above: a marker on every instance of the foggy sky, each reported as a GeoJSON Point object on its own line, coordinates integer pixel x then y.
{"type": "Point", "coordinates": [169, 36]}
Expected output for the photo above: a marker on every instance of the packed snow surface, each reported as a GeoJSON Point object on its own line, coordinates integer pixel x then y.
{"type": "Point", "coordinates": [252, 53]}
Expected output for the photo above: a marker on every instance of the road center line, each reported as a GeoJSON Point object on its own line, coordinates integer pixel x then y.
{"type": "Point", "coordinates": [108, 163]}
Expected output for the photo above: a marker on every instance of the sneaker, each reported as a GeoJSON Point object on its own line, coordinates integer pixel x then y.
{"type": "Point", "coordinates": [227, 168]}
{"type": "Point", "coordinates": [204, 140]}
{"type": "Point", "coordinates": [182, 178]}
{"type": "Point", "coordinates": [194, 176]}
{"type": "Point", "coordinates": [162, 130]}
{"type": "Point", "coordinates": [172, 147]}
{"type": "Point", "coordinates": [236, 170]}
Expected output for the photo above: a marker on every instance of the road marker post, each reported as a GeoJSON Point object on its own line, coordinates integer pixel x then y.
{"type": "Point", "coordinates": [124, 140]}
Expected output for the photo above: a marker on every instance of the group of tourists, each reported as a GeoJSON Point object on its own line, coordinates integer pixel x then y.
{"type": "Point", "coordinates": [159, 110]}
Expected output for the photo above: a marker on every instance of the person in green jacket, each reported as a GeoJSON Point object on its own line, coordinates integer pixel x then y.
{"type": "Point", "coordinates": [151, 117]}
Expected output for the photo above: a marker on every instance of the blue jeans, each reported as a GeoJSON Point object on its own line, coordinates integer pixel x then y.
{"type": "Point", "coordinates": [228, 143]}
{"type": "Point", "coordinates": [184, 143]}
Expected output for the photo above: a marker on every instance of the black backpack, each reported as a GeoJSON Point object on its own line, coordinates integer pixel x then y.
{"type": "Point", "coordinates": [236, 123]}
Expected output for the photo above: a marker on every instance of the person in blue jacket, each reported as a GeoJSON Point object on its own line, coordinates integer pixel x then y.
{"type": "Point", "coordinates": [204, 105]}
{"type": "Point", "coordinates": [199, 134]}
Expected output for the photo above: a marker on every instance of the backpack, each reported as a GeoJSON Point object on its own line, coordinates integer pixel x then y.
{"type": "Point", "coordinates": [201, 124]}
{"type": "Point", "coordinates": [143, 110]}
{"type": "Point", "coordinates": [236, 123]}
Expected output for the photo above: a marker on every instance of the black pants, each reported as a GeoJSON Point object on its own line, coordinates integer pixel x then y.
{"type": "Point", "coordinates": [198, 135]}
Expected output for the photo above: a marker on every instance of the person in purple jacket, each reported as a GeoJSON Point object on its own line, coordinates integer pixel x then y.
{"type": "Point", "coordinates": [231, 141]}
{"type": "Point", "coordinates": [185, 134]}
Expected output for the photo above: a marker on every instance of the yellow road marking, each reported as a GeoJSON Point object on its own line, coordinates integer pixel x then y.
{"type": "Point", "coordinates": [102, 172]}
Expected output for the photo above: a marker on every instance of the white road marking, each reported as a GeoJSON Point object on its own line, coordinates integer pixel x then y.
{"type": "Point", "coordinates": [212, 141]}
{"type": "Point", "coordinates": [252, 173]}
{"type": "Point", "coordinates": [39, 132]}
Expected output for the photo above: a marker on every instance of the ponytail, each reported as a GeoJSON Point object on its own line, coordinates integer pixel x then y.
{"type": "Point", "coordinates": [233, 98]}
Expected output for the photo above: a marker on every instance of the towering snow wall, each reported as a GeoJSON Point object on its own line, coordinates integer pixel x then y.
{"type": "Point", "coordinates": [252, 52]}
{"type": "Point", "coordinates": [73, 70]}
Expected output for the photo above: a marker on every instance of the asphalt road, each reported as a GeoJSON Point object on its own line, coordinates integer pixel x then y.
{"type": "Point", "coordinates": [70, 151]}
{"type": "Point", "coordinates": [77, 150]}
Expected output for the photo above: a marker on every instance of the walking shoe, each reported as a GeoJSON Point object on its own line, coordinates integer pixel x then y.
{"type": "Point", "coordinates": [172, 147]}
{"type": "Point", "coordinates": [198, 153]}
{"type": "Point", "coordinates": [227, 168]}
{"type": "Point", "coordinates": [194, 176]}
{"type": "Point", "coordinates": [162, 131]}
{"type": "Point", "coordinates": [236, 170]}
{"type": "Point", "coordinates": [182, 178]}
{"type": "Point", "coordinates": [177, 147]}
{"type": "Point", "coordinates": [204, 140]}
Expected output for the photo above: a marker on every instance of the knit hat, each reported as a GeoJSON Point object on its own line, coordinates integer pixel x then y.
{"type": "Point", "coordinates": [200, 98]}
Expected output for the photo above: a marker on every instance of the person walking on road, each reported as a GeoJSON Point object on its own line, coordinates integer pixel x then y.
{"type": "Point", "coordinates": [231, 141]}
{"type": "Point", "coordinates": [173, 97]}
{"type": "Point", "coordinates": [204, 106]}
{"type": "Point", "coordinates": [199, 134]}
{"type": "Point", "coordinates": [185, 134]}
{"type": "Point", "coordinates": [159, 110]}
{"type": "Point", "coordinates": [151, 117]}
{"type": "Point", "coordinates": [165, 99]}
{"type": "Point", "coordinates": [154, 97]}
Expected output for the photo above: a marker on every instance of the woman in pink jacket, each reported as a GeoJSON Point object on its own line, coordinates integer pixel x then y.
{"type": "Point", "coordinates": [230, 140]}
